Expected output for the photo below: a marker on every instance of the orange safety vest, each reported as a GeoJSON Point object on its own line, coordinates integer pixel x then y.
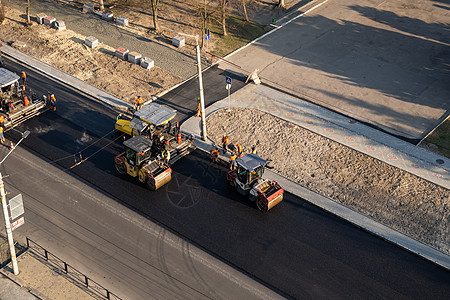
{"type": "Point", "coordinates": [24, 75]}
{"type": "Point", "coordinates": [2, 119]}
{"type": "Point", "coordinates": [239, 148]}
{"type": "Point", "coordinates": [52, 98]}
{"type": "Point", "coordinates": [225, 140]}
{"type": "Point", "coordinates": [25, 101]}
{"type": "Point", "coordinates": [232, 157]}
{"type": "Point", "coordinates": [139, 100]}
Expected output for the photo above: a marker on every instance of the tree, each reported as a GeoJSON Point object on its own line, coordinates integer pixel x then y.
{"type": "Point", "coordinates": [100, 3]}
{"type": "Point", "coordinates": [28, 12]}
{"type": "Point", "coordinates": [205, 13]}
{"type": "Point", "coordinates": [244, 7]}
{"type": "Point", "coordinates": [223, 15]}
{"type": "Point", "coordinates": [155, 4]}
{"type": "Point", "coordinates": [282, 3]}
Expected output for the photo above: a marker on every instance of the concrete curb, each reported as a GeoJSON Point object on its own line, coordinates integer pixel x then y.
{"type": "Point", "coordinates": [193, 126]}
{"type": "Point", "coordinates": [23, 284]}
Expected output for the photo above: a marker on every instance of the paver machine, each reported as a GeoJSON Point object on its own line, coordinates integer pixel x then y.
{"type": "Point", "coordinates": [153, 121]}
{"type": "Point", "coordinates": [247, 180]}
{"type": "Point", "coordinates": [139, 161]}
{"type": "Point", "coordinates": [16, 104]}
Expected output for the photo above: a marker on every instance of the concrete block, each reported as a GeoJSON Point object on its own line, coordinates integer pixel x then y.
{"type": "Point", "coordinates": [88, 8]}
{"type": "Point", "coordinates": [122, 21]}
{"type": "Point", "coordinates": [49, 20]}
{"type": "Point", "coordinates": [91, 41]}
{"type": "Point", "coordinates": [147, 63]}
{"type": "Point", "coordinates": [122, 53]}
{"type": "Point", "coordinates": [178, 41]}
{"type": "Point", "coordinates": [134, 57]}
{"type": "Point", "coordinates": [60, 25]}
{"type": "Point", "coordinates": [40, 18]}
{"type": "Point", "coordinates": [107, 15]}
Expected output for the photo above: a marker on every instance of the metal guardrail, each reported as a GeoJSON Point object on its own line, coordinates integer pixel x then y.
{"type": "Point", "coordinates": [76, 275]}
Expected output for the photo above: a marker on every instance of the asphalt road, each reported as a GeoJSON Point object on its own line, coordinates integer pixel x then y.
{"type": "Point", "coordinates": [297, 249]}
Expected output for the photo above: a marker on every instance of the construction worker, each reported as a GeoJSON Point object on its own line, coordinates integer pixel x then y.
{"type": "Point", "coordinates": [2, 137]}
{"type": "Point", "coordinates": [225, 142]}
{"type": "Point", "coordinates": [199, 108]}
{"type": "Point", "coordinates": [253, 150]}
{"type": "Point", "coordinates": [24, 80]}
{"type": "Point", "coordinates": [52, 99]}
{"type": "Point", "coordinates": [215, 154]}
{"type": "Point", "coordinates": [166, 155]}
{"type": "Point", "coordinates": [139, 102]}
{"type": "Point", "coordinates": [239, 150]}
{"type": "Point", "coordinates": [233, 161]}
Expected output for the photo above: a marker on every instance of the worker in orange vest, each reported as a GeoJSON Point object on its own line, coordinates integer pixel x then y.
{"type": "Point", "coordinates": [225, 142]}
{"type": "Point", "coordinates": [239, 150]}
{"type": "Point", "coordinates": [26, 102]}
{"type": "Point", "coordinates": [199, 110]}
{"type": "Point", "coordinates": [139, 102]}
{"type": "Point", "coordinates": [2, 137]}
{"type": "Point", "coordinates": [215, 154]}
{"type": "Point", "coordinates": [52, 99]}
{"type": "Point", "coordinates": [24, 78]}
{"type": "Point", "coordinates": [253, 150]}
{"type": "Point", "coordinates": [233, 161]}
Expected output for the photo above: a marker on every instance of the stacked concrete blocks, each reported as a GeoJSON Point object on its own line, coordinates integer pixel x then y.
{"type": "Point", "coordinates": [91, 41]}
{"type": "Point", "coordinates": [134, 57]}
{"type": "Point", "coordinates": [60, 25]}
{"type": "Point", "coordinates": [122, 53]}
{"type": "Point", "coordinates": [122, 21]}
{"type": "Point", "coordinates": [88, 8]}
{"type": "Point", "coordinates": [48, 20]}
{"type": "Point", "coordinates": [40, 18]}
{"type": "Point", "coordinates": [108, 15]}
{"type": "Point", "coordinates": [147, 63]}
{"type": "Point", "coordinates": [178, 41]}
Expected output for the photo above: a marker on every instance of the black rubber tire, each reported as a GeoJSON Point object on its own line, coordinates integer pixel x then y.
{"type": "Point", "coordinates": [150, 183]}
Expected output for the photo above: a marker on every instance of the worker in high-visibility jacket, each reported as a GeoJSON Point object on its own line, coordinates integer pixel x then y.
{"type": "Point", "coordinates": [139, 102]}
{"type": "Point", "coordinates": [215, 154]}
{"type": "Point", "coordinates": [52, 99]}
{"type": "Point", "coordinates": [166, 155]}
{"type": "Point", "coordinates": [2, 136]}
{"type": "Point", "coordinates": [24, 78]}
{"type": "Point", "coordinates": [239, 150]}
{"type": "Point", "coordinates": [253, 150]}
{"type": "Point", "coordinates": [199, 108]}
{"type": "Point", "coordinates": [233, 164]}
{"type": "Point", "coordinates": [225, 142]}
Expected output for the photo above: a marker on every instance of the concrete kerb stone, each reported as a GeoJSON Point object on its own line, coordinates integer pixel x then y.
{"type": "Point", "coordinates": [104, 97]}
{"type": "Point", "coordinates": [192, 126]}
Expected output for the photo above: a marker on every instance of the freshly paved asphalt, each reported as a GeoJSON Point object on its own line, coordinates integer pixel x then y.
{"type": "Point", "coordinates": [297, 249]}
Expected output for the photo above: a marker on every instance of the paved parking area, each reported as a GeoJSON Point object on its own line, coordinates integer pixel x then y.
{"type": "Point", "coordinates": [386, 63]}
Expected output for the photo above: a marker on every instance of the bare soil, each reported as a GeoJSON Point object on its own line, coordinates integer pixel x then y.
{"type": "Point", "coordinates": [391, 196]}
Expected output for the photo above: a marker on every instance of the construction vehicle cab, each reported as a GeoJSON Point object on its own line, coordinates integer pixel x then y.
{"type": "Point", "coordinates": [138, 161]}
{"type": "Point", "coordinates": [247, 180]}
{"type": "Point", "coordinates": [145, 120]}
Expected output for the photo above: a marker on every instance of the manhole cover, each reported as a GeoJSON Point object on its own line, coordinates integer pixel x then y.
{"type": "Point", "coordinates": [352, 121]}
{"type": "Point", "coordinates": [439, 161]}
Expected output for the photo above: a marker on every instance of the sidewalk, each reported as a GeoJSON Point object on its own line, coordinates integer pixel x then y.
{"type": "Point", "coordinates": [39, 279]}
{"type": "Point", "coordinates": [346, 131]}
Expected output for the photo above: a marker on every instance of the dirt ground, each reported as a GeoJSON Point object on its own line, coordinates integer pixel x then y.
{"type": "Point", "coordinates": [393, 197]}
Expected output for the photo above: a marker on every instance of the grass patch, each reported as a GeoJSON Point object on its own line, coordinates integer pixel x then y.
{"type": "Point", "coordinates": [240, 32]}
{"type": "Point", "coordinates": [441, 138]}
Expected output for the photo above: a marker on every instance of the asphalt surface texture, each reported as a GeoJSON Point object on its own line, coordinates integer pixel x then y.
{"type": "Point", "coordinates": [297, 249]}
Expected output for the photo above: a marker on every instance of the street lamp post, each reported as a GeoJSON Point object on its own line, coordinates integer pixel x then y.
{"type": "Point", "coordinates": [200, 83]}
{"type": "Point", "coordinates": [6, 214]}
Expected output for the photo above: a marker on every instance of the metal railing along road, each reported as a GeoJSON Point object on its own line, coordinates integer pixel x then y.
{"type": "Point", "coordinates": [71, 272]}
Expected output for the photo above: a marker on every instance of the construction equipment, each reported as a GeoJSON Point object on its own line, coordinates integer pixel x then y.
{"type": "Point", "coordinates": [247, 180]}
{"type": "Point", "coordinates": [153, 122]}
{"type": "Point", "coordinates": [15, 104]}
{"type": "Point", "coordinates": [138, 160]}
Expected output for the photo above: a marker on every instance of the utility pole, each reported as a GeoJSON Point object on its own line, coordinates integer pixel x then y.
{"type": "Point", "coordinates": [8, 227]}
{"type": "Point", "coordinates": [200, 83]}
{"type": "Point", "coordinates": [5, 211]}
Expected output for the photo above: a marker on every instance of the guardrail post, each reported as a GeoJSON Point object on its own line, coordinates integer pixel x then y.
{"type": "Point", "coordinates": [65, 268]}
{"type": "Point", "coordinates": [28, 243]}
{"type": "Point", "coordinates": [86, 280]}
{"type": "Point", "coordinates": [107, 295]}
{"type": "Point", "coordinates": [46, 254]}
